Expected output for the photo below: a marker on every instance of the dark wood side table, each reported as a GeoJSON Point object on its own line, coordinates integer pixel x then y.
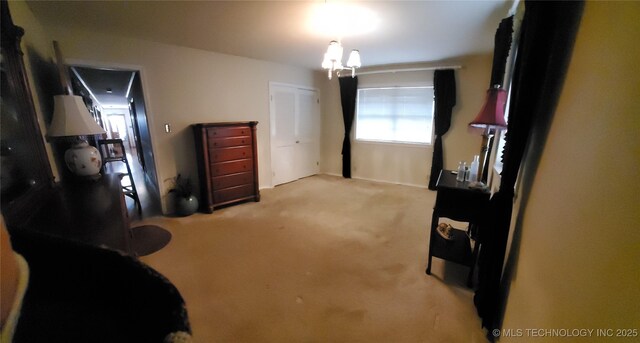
{"type": "Point", "coordinates": [89, 212]}
{"type": "Point", "coordinates": [456, 201]}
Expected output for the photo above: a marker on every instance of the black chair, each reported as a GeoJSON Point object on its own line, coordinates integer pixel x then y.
{"type": "Point", "coordinates": [81, 293]}
{"type": "Point", "coordinates": [112, 150]}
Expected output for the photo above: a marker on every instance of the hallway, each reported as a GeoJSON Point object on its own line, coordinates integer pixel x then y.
{"type": "Point", "coordinates": [116, 100]}
{"type": "Point", "coordinates": [150, 202]}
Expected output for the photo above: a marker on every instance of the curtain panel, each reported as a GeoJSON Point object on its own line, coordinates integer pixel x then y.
{"type": "Point", "coordinates": [444, 92]}
{"type": "Point", "coordinates": [501, 51]}
{"type": "Point", "coordinates": [348, 94]}
{"type": "Point", "coordinates": [546, 41]}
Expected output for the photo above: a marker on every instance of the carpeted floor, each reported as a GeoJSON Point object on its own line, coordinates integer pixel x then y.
{"type": "Point", "coordinates": [323, 259]}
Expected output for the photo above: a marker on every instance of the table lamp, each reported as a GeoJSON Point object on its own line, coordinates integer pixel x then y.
{"type": "Point", "coordinates": [72, 119]}
{"type": "Point", "coordinates": [490, 118]}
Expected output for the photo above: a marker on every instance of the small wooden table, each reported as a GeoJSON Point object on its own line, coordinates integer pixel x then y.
{"type": "Point", "coordinates": [456, 201]}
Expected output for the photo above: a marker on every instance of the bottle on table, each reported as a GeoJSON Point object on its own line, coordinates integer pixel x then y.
{"type": "Point", "coordinates": [462, 170]}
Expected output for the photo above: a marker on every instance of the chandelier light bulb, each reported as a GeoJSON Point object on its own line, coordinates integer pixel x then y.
{"type": "Point", "coordinates": [333, 59]}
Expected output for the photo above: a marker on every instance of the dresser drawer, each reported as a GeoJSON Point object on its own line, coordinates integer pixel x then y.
{"type": "Point", "coordinates": [232, 180]}
{"type": "Point", "coordinates": [235, 131]}
{"type": "Point", "coordinates": [231, 167]}
{"type": "Point", "coordinates": [229, 141]}
{"type": "Point", "coordinates": [233, 193]}
{"type": "Point", "coordinates": [230, 154]}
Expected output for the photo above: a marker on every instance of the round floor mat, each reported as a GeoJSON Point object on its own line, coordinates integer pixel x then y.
{"type": "Point", "coordinates": [148, 239]}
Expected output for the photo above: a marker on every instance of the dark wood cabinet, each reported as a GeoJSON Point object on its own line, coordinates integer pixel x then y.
{"type": "Point", "coordinates": [25, 173]}
{"type": "Point", "coordinates": [227, 163]}
{"type": "Point", "coordinates": [90, 212]}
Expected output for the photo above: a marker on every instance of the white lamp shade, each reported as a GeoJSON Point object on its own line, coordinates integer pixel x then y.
{"type": "Point", "coordinates": [354, 59]}
{"type": "Point", "coordinates": [334, 51]}
{"type": "Point", "coordinates": [71, 118]}
{"type": "Point", "coordinates": [326, 63]}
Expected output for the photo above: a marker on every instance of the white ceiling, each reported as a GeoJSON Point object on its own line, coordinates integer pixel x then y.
{"type": "Point", "coordinates": [278, 31]}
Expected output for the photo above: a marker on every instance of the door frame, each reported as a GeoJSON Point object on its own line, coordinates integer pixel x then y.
{"type": "Point", "coordinates": [155, 184]}
{"type": "Point", "coordinates": [273, 84]}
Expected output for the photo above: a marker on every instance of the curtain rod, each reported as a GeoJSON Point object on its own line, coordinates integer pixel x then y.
{"type": "Point", "coordinates": [407, 70]}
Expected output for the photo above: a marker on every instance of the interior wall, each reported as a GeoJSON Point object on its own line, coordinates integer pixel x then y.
{"type": "Point", "coordinates": [183, 86]}
{"type": "Point", "coordinates": [574, 263]}
{"type": "Point", "coordinates": [403, 163]}
{"type": "Point", "coordinates": [209, 87]}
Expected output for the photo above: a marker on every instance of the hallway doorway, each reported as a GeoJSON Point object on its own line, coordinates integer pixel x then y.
{"type": "Point", "coordinates": [116, 100]}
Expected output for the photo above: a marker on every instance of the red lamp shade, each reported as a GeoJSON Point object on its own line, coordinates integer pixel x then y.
{"type": "Point", "coordinates": [492, 113]}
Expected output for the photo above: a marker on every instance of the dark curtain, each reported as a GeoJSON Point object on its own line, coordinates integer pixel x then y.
{"type": "Point", "coordinates": [444, 92]}
{"type": "Point", "coordinates": [501, 49]}
{"type": "Point", "coordinates": [546, 40]}
{"type": "Point", "coordinates": [348, 93]}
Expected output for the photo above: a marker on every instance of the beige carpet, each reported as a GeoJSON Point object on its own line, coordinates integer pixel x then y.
{"type": "Point", "coordinates": [323, 259]}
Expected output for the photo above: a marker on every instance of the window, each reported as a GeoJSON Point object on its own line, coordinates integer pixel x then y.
{"type": "Point", "coordinates": [399, 114]}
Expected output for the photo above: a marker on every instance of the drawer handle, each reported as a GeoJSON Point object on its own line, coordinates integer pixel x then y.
{"type": "Point", "coordinates": [243, 141]}
{"type": "Point", "coordinates": [243, 153]}
{"type": "Point", "coordinates": [242, 132]}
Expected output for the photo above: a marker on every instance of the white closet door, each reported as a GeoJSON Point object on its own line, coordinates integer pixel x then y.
{"type": "Point", "coordinates": [307, 152]}
{"type": "Point", "coordinates": [295, 133]}
{"type": "Point", "coordinates": [283, 140]}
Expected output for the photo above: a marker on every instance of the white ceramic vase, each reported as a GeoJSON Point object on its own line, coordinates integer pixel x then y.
{"type": "Point", "coordinates": [83, 159]}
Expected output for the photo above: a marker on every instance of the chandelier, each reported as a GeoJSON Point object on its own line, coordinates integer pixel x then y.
{"type": "Point", "coordinates": [333, 59]}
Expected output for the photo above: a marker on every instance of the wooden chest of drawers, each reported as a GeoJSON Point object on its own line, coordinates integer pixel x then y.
{"type": "Point", "coordinates": [227, 163]}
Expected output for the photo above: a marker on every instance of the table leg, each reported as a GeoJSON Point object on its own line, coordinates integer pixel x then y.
{"type": "Point", "coordinates": [434, 224]}
{"type": "Point", "coordinates": [474, 259]}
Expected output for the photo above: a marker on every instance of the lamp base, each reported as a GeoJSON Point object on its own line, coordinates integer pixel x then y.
{"type": "Point", "coordinates": [486, 138]}
{"type": "Point", "coordinates": [84, 160]}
